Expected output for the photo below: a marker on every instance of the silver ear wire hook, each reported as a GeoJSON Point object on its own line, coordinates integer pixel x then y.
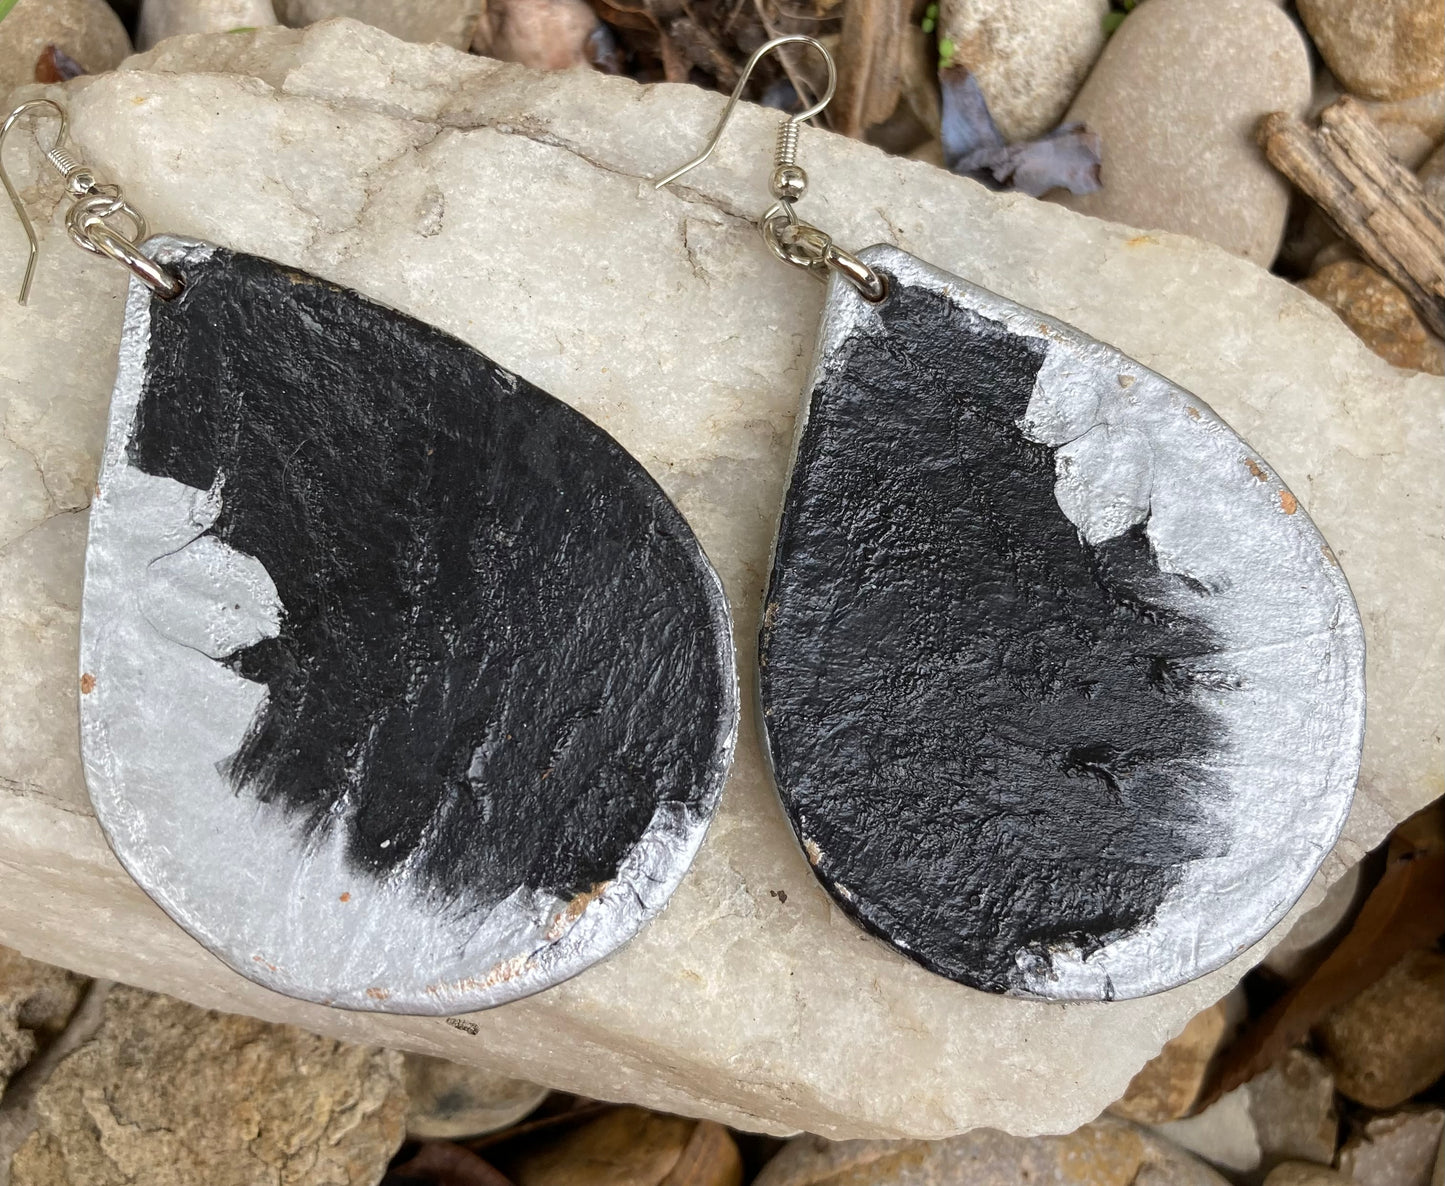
{"type": "Point", "coordinates": [790, 126]}
{"type": "Point", "coordinates": [85, 222]}
{"type": "Point", "coordinates": [792, 241]}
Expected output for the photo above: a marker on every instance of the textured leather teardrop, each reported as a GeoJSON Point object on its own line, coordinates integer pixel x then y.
{"type": "Point", "coordinates": [404, 686]}
{"type": "Point", "coordinates": [1062, 688]}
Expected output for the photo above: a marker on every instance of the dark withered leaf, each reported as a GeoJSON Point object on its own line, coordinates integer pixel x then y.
{"type": "Point", "coordinates": [968, 128]}
{"type": "Point", "coordinates": [604, 51]}
{"type": "Point", "coordinates": [55, 65]}
{"type": "Point", "coordinates": [443, 1163]}
{"type": "Point", "coordinates": [1067, 157]}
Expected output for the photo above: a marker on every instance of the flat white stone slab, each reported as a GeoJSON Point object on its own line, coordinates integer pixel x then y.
{"type": "Point", "coordinates": [512, 209]}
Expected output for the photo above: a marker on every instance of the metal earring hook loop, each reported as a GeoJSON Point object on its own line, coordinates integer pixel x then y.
{"type": "Point", "coordinates": [792, 122]}
{"type": "Point", "coordinates": [791, 240]}
{"type": "Point", "coordinates": [94, 203]}
{"type": "Point", "coordinates": [58, 146]}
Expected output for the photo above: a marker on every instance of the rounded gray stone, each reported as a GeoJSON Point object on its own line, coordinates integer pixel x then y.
{"type": "Point", "coordinates": [447, 1100]}
{"type": "Point", "coordinates": [1029, 56]}
{"type": "Point", "coordinates": [1175, 98]}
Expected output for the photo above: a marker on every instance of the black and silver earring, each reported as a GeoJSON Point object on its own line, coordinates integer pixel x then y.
{"type": "Point", "coordinates": [404, 686]}
{"type": "Point", "coordinates": [1062, 688]}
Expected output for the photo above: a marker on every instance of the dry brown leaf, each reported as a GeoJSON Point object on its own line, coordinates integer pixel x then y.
{"type": "Point", "coordinates": [629, 1146]}
{"type": "Point", "coordinates": [710, 1158]}
{"type": "Point", "coordinates": [55, 65]}
{"type": "Point", "coordinates": [446, 1164]}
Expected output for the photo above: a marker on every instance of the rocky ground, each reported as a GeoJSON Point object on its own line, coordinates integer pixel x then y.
{"type": "Point", "coordinates": [1323, 1066]}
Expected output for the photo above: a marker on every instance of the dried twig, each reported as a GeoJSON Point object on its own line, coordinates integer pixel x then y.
{"type": "Point", "coordinates": [869, 64]}
{"type": "Point", "coordinates": [1346, 168]}
{"type": "Point", "coordinates": [18, 1116]}
{"type": "Point", "coordinates": [803, 91]}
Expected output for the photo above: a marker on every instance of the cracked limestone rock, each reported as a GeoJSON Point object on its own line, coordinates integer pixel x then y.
{"type": "Point", "coordinates": [171, 1095]}
{"type": "Point", "coordinates": [513, 209]}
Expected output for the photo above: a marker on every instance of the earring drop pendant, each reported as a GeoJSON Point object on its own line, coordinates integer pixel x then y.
{"type": "Point", "coordinates": [1062, 689]}
{"type": "Point", "coordinates": [405, 686]}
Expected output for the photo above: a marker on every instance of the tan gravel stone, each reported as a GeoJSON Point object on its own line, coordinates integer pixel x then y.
{"type": "Point", "coordinates": [447, 1100]}
{"type": "Point", "coordinates": [87, 30]}
{"type": "Point", "coordinates": [1378, 310]}
{"type": "Point", "coordinates": [1387, 49]}
{"type": "Point", "coordinates": [169, 1095]}
{"type": "Point", "coordinates": [542, 34]}
{"type": "Point", "coordinates": [1105, 1153]}
{"type": "Point", "coordinates": [1389, 1042]}
{"type": "Point", "coordinates": [1304, 1173]}
{"type": "Point", "coordinates": [630, 1147]}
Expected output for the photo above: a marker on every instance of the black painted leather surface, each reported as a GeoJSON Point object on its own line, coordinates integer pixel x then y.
{"type": "Point", "coordinates": [501, 646]}
{"type": "Point", "coordinates": [982, 727]}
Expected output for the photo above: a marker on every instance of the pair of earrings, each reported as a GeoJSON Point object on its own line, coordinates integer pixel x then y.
{"type": "Point", "coordinates": [406, 688]}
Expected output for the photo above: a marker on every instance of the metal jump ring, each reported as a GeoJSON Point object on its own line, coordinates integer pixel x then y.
{"type": "Point", "coordinates": [806, 246]}
{"type": "Point", "coordinates": [797, 243]}
{"type": "Point", "coordinates": [86, 225]}
{"type": "Point", "coordinates": [88, 210]}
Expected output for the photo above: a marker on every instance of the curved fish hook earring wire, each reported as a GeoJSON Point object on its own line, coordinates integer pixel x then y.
{"type": "Point", "coordinates": [93, 204]}
{"type": "Point", "coordinates": [791, 240]}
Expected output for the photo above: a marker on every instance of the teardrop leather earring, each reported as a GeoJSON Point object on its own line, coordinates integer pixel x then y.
{"type": "Point", "coordinates": [1063, 691]}
{"type": "Point", "coordinates": [404, 686]}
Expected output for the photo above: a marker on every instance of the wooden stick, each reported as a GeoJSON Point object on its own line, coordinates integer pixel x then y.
{"type": "Point", "coordinates": [869, 64]}
{"type": "Point", "coordinates": [1345, 166]}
